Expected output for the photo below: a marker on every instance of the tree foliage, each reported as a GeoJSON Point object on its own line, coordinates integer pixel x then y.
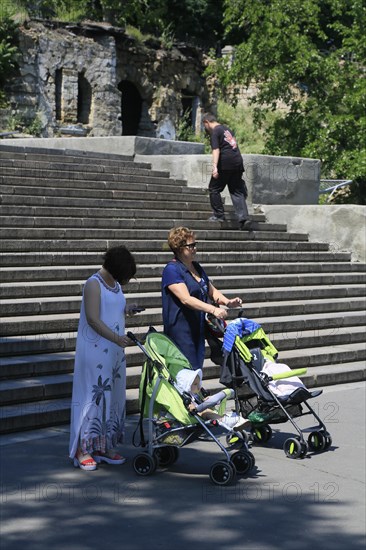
{"type": "Point", "coordinates": [199, 21]}
{"type": "Point", "coordinates": [310, 56]}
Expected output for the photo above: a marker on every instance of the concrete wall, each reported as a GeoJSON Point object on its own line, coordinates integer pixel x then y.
{"type": "Point", "coordinates": [270, 179]}
{"type": "Point", "coordinates": [341, 225]}
{"type": "Point", "coordinates": [119, 145]}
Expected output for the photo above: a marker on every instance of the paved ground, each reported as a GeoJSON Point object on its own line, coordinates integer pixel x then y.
{"type": "Point", "coordinates": [317, 502]}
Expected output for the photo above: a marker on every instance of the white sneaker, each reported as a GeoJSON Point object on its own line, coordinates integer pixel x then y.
{"type": "Point", "coordinates": [234, 422]}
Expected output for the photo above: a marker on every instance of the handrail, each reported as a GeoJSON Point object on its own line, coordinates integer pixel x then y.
{"type": "Point", "coordinates": [7, 134]}
{"type": "Point", "coordinates": [333, 188]}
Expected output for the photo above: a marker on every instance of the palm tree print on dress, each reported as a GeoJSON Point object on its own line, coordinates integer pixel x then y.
{"type": "Point", "coordinates": [101, 427]}
{"type": "Point", "coordinates": [115, 373]}
{"type": "Point", "coordinates": [118, 427]}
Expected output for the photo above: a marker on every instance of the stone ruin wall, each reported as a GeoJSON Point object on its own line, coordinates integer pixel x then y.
{"type": "Point", "coordinates": [61, 63]}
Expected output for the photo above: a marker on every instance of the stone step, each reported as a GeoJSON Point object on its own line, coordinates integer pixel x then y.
{"type": "Point", "coordinates": [66, 162]}
{"type": "Point", "coordinates": [30, 416]}
{"type": "Point", "coordinates": [65, 174]}
{"type": "Point", "coordinates": [314, 315]}
{"type": "Point", "coordinates": [53, 411]}
{"type": "Point", "coordinates": [62, 361]}
{"type": "Point", "coordinates": [29, 258]}
{"type": "Point", "coordinates": [21, 186]}
{"type": "Point", "coordinates": [110, 211]}
{"type": "Point", "coordinates": [128, 223]}
{"type": "Point", "coordinates": [141, 238]}
{"type": "Point", "coordinates": [60, 224]}
{"type": "Point", "coordinates": [262, 241]}
{"type": "Point", "coordinates": [69, 274]}
{"type": "Point", "coordinates": [168, 195]}
{"type": "Point", "coordinates": [71, 156]}
{"type": "Point", "coordinates": [111, 217]}
{"type": "Point", "coordinates": [24, 292]}
{"type": "Point", "coordinates": [39, 386]}
{"type": "Point", "coordinates": [50, 314]}
{"type": "Point", "coordinates": [46, 169]}
{"type": "Point", "coordinates": [154, 203]}
{"type": "Point", "coordinates": [34, 389]}
{"type": "Point", "coordinates": [63, 179]}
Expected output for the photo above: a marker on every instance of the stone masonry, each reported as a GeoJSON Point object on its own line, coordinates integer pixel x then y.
{"type": "Point", "coordinates": [93, 79]}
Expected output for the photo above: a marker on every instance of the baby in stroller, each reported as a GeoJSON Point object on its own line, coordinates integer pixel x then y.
{"type": "Point", "coordinates": [189, 383]}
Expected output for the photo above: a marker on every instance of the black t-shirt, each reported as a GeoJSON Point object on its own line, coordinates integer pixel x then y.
{"type": "Point", "coordinates": [230, 157]}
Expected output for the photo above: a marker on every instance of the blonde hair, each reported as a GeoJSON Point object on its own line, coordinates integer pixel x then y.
{"type": "Point", "coordinates": [178, 237]}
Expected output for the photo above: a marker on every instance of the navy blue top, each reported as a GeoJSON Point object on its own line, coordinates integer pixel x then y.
{"type": "Point", "coordinates": [185, 326]}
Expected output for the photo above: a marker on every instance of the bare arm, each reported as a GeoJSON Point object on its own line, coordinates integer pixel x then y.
{"type": "Point", "coordinates": [180, 290]}
{"type": "Point", "coordinates": [92, 312]}
{"type": "Point", "coordinates": [219, 298]}
{"type": "Point", "coordinates": [215, 161]}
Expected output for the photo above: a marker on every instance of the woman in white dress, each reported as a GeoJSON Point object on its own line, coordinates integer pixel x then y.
{"type": "Point", "coordinates": [98, 405]}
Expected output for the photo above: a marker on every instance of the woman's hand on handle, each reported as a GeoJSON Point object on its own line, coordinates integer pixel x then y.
{"type": "Point", "coordinates": [124, 341]}
{"type": "Point", "coordinates": [234, 302]}
{"type": "Point", "coordinates": [219, 313]}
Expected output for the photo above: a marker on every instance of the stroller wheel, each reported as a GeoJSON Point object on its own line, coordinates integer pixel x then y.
{"type": "Point", "coordinates": [144, 464]}
{"type": "Point", "coordinates": [262, 434]}
{"type": "Point", "coordinates": [166, 456]}
{"type": "Point", "coordinates": [317, 441]}
{"type": "Point", "coordinates": [328, 441]}
{"type": "Point", "coordinates": [236, 440]}
{"type": "Point", "coordinates": [222, 473]}
{"type": "Point", "coordinates": [294, 448]}
{"type": "Point", "coordinates": [252, 459]}
{"type": "Point", "coordinates": [243, 461]}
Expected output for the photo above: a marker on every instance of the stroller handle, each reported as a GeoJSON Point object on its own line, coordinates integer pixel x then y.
{"type": "Point", "coordinates": [288, 374]}
{"type": "Point", "coordinates": [132, 337]}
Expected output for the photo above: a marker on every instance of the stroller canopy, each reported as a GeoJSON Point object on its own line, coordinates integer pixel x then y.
{"type": "Point", "coordinates": [159, 374]}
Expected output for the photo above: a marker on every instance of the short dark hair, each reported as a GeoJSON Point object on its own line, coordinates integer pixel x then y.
{"type": "Point", "coordinates": [120, 263]}
{"type": "Point", "coordinates": [209, 117]}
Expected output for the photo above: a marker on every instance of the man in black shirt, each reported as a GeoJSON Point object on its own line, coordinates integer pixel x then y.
{"type": "Point", "coordinates": [227, 169]}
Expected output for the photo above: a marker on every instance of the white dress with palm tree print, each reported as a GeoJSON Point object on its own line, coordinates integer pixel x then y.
{"type": "Point", "coordinates": [99, 389]}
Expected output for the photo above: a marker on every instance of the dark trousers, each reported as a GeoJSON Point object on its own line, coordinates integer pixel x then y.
{"type": "Point", "coordinates": [232, 179]}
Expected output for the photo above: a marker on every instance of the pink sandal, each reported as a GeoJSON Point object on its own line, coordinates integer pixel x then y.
{"type": "Point", "coordinates": [113, 458]}
{"type": "Point", "coordinates": [87, 464]}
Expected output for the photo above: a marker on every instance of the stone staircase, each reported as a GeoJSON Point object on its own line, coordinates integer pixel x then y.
{"type": "Point", "coordinates": [60, 211]}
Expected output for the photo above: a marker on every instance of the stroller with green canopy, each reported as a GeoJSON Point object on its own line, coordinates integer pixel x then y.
{"type": "Point", "coordinates": [171, 425]}
{"type": "Point", "coordinates": [269, 396]}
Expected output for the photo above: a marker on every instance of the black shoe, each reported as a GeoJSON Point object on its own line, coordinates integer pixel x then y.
{"type": "Point", "coordinates": [246, 225]}
{"type": "Point", "coordinates": [216, 219]}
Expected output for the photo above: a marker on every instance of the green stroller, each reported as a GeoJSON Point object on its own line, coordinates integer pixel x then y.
{"type": "Point", "coordinates": [171, 425]}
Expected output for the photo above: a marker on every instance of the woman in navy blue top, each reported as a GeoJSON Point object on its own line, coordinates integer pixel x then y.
{"type": "Point", "coordinates": [187, 294]}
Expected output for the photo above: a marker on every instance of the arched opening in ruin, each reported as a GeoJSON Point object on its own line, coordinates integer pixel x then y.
{"type": "Point", "coordinates": [190, 109]}
{"type": "Point", "coordinates": [131, 107]}
{"type": "Point", "coordinates": [58, 94]}
{"type": "Point", "coordinates": [187, 106]}
{"type": "Point", "coordinates": [84, 99]}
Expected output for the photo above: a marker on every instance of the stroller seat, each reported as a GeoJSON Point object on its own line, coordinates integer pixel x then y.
{"type": "Point", "coordinates": [299, 396]}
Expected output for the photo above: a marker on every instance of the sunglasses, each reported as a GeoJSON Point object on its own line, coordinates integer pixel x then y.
{"type": "Point", "coordinates": [191, 245]}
